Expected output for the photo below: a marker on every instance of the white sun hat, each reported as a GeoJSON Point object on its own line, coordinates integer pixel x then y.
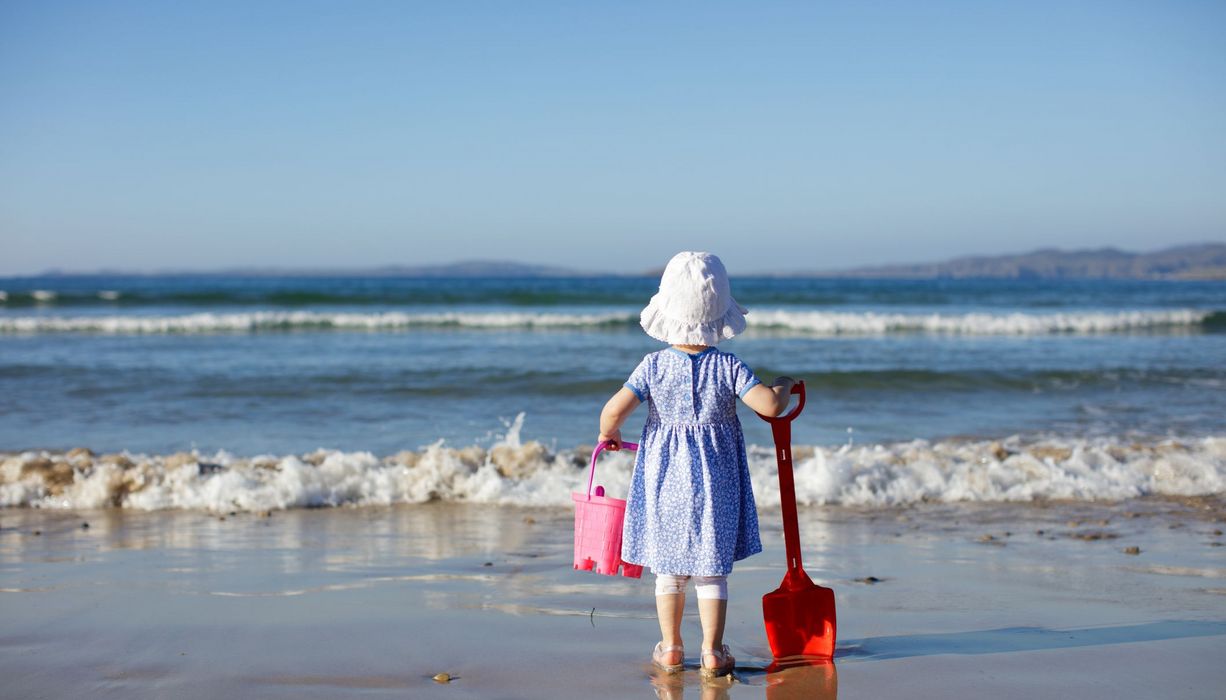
{"type": "Point", "coordinates": [694, 305]}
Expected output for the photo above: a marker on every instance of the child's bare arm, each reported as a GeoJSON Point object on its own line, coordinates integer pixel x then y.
{"type": "Point", "coordinates": [615, 413]}
{"type": "Point", "coordinates": [772, 400]}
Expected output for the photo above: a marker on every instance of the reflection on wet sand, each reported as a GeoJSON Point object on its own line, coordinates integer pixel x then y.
{"type": "Point", "coordinates": [672, 687]}
{"type": "Point", "coordinates": [462, 550]}
{"type": "Point", "coordinates": [803, 681]}
{"type": "Point", "coordinates": [345, 537]}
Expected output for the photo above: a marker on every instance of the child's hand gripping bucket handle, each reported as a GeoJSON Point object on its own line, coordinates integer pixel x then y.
{"type": "Point", "coordinates": [591, 475]}
{"type": "Point", "coordinates": [598, 526]}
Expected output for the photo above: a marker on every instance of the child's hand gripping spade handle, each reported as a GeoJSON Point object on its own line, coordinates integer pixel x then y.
{"type": "Point", "coordinates": [781, 429]}
{"type": "Point", "coordinates": [799, 615]}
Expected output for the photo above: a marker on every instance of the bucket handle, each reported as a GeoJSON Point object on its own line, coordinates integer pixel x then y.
{"type": "Point", "coordinates": [632, 446]}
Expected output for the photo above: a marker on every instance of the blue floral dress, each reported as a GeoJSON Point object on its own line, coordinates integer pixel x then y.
{"type": "Point", "coordinates": [691, 509]}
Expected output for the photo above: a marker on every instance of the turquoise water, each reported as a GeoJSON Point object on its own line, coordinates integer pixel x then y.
{"type": "Point", "coordinates": [278, 365]}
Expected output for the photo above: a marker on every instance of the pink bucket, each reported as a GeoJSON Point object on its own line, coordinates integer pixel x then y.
{"type": "Point", "coordinates": [598, 527]}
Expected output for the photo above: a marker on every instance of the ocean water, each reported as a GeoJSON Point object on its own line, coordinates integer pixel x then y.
{"type": "Point", "coordinates": [271, 392]}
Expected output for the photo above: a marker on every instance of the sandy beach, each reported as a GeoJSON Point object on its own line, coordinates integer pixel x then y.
{"type": "Point", "coordinates": [312, 316]}
{"type": "Point", "coordinates": [934, 601]}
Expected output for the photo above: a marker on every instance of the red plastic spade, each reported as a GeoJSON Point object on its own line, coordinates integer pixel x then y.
{"type": "Point", "coordinates": [799, 615]}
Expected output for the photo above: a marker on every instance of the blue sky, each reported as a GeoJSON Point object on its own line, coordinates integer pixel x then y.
{"type": "Point", "coordinates": [784, 136]}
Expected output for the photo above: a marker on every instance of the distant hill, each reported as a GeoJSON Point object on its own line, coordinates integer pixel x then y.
{"type": "Point", "coordinates": [476, 268]}
{"type": "Point", "coordinates": [468, 268]}
{"type": "Point", "coordinates": [1204, 261]}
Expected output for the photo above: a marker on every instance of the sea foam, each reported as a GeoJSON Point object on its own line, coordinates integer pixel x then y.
{"type": "Point", "coordinates": [814, 323]}
{"type": "Point", "coordinates": [529, 474]}
{"type": "Point", "coordinates": [868, 323]}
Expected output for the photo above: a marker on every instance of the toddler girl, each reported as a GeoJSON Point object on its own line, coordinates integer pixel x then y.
{"type": "Point", "coordinates": [691, 512]}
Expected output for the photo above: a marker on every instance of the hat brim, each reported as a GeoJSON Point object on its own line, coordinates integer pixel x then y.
{"type": "Point", "coordinates": [680, 332]}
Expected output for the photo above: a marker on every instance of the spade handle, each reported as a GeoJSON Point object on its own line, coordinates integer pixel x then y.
{"type": "Point", "coordinates": [781, 430]}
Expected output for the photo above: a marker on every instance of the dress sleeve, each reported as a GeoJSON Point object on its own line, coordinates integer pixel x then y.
{"type": "Point", "coordinates": [638, 381]}
{"type": "Point", "coordinates": [743, 378]}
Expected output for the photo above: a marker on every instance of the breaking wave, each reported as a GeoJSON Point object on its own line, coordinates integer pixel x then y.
{"type": "Point", "coordinates": [529, 474]}
{"type": "Point", "coordinates": [814, 323]}
{"type": "Point", "coordinates": [869, 323]}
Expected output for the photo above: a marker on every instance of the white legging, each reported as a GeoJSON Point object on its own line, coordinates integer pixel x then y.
{"type": "Point", "coordinates": [708, 587]}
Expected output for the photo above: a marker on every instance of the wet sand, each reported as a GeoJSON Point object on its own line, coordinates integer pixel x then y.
{"type": "Point", "coordinates": [934, 601]}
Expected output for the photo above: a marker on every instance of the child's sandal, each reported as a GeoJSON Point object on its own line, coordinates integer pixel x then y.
{"type": "Point", "coordinates": [657, 658]}
{"type": "Point", "coordinates": [724, 662]}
